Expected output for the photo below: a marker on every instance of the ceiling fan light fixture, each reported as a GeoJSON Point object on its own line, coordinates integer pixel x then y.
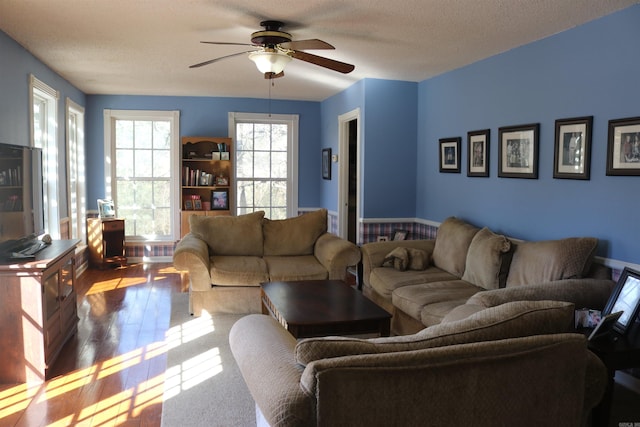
{"type": "Point", "coordinates": [270, 62]}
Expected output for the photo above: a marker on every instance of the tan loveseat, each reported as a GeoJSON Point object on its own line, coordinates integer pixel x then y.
{"type": "Point", "coordinates": [509, 365]}
{"type": "Point", "coordinates": [468, 269]}
{"type": "Point", "coordinates": [227, 257]}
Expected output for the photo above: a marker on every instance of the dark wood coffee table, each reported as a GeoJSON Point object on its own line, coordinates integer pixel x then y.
{"type": "Point", "coordinates": [311, 308]}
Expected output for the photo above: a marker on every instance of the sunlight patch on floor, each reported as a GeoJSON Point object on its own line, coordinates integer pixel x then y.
{"type": "Point", "coordinates": [190, 331]}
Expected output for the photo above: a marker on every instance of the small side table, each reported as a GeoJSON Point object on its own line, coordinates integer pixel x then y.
{"type": "Point", "coordinates": [106, 242]}
{"type": "Point", "coordinates": [617, 353]}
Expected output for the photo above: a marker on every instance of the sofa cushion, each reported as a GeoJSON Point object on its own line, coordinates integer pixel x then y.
{"type": "Point", "coordinates": [294, 236]}
{"type": "Point", "coordinates": [510, 320]}
{"type": "Point", "coordinates": [398, 258]}
{"type": "Point", "coordinates": [430, 302]}
{"type": "Point", "coordinates": [238, 271]}
{"type": "Point", "coordinates": [301, 267]}
{"type": "Point", "coordinates": [488, 260]}
{"type": "Point", "coordinates": [385, 280]}
{"type": "Point", "coordinates": [230, 235]}
{"type": "Point", "coordinates": [452, 243]}
{"type": "Point", "coordinates": [545, 261]}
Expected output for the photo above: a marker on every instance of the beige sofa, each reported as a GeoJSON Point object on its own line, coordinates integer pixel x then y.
{"type": "Point", "coordinates": [509, 365]}
{"type": "Point", "coordinates": [227, 257]}
{"type": "Point", "coordinates": [469, 269]}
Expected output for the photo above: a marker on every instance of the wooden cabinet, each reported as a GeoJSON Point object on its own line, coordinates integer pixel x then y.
{"type": "Point", "coordinates": [38, 312]}
{"type": "Point", "coordinates": [106, 242]}
{"type": "Point", "coordinates": [15, 203]}
{"type": "Point", "coordinates": [207, 178]}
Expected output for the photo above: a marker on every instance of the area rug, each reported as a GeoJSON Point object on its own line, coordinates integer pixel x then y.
{"type": "Point", "coordinates": [203, 386]}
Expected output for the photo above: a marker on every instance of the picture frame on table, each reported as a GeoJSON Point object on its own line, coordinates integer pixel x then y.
{"type": "Point", "coordinates": [572, 149]}
{"type": "Point", "coordinates": [326, 163]}
{"type": "Point", "coordinates": [106, 208]}
{"type": "Point", "coordinates": [400, 235]}
{"type": "Point", "coordinates": [220, 199]}
{"type": "Point", "coordinates": [623, 147]}
{"type": "Point", "coordinates": [478, 153]}
{"type": "Point", "coordinates": [625, 298]}
{"type": "Point", "coordinates": [450, 154]}
{"type": "Point", "coordinates": [518, 151]}
{"type": "Point", "coordinates": [197, 204]}
{"type": "Point", "coordinates": [188, 205]}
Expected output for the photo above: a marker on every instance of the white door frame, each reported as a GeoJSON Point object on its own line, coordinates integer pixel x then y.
{"type": "Point", "coordinates": [343, 174]}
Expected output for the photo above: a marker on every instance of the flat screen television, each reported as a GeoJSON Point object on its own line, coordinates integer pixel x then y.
{"type": "Point", "coordinates": [21, 197]}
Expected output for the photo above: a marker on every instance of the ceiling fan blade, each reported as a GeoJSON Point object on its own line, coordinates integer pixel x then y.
{"type": "Point", "coordinates": [211, 61]}
{"type": "Point", "coordinates": [306, 44]}
{"type": "Point", "coordinates": [230, 43]}
{"type": "Point", "coordinates": [270, 76]}
{"type": "Point", "coordinates": [341, 67]}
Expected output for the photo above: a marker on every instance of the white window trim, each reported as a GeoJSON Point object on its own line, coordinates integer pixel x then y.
{"type": "Point", "coordinates": [110, 116]}
{"type": "Point", "coordinates": [49, 153]}
{"type": "Point", "coordinates": [73, 108]}
{"type": "Point", "coordinates": [292, 149]}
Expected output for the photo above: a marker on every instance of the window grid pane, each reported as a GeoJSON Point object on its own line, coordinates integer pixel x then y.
{"type": "Point", "coordinates": [261, 169]}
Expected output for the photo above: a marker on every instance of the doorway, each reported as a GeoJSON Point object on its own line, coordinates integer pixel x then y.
{"type": "Point", "coordinates": [349, 184]}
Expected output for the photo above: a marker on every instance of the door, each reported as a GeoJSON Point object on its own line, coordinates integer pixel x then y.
{"type": "Point", "coordinates": [349, 183]}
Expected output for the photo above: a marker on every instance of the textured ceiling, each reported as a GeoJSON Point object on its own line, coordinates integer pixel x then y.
{"type": "Point", "coordinates": [145, 47]}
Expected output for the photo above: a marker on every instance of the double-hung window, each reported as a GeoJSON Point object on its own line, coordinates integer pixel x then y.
{"type": "Point", "coordinates": [266, 163]}
{"type": "Point", "coordinates": [76, 190]}
{"type": "Point", "coordinates": [141, 156]}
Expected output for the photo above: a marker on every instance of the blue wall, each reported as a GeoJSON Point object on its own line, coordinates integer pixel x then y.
{"type": "Point", "coordinates": [588, 70]}
{"type": "Point", "coordinates": [207, 116]}
{"type": "Point", "coordinates": [16, 65]}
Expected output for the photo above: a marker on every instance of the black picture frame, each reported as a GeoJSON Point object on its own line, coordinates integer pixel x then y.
{"type": "Point", "coordinates": [220, 199]}
{"type": "Point", "coordinates": [449, 149]}
{"type": "Point", "coordinates": [623, 147]}
{"type": "Point", "coordinates": [518, 151]}
{"type": "Point", "coordinates": [626, 298]}
{"type": "Point", "coordinates": [572, 149]}
{"type": "Point", "coordinates": [478, 153]}
{"type": "Point", "coordinates": [326, 163]}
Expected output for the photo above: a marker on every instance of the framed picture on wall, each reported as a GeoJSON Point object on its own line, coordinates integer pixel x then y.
{"type": "Point", "coordinates": [518, 151]}
{"type": "Point", "coordinates": [450, 154]}
{"type": "Point", "coordinates": [572, 152]}
{"type": "Point", "coordinates": [478, 153]}
{"type": "Point", "coordinates": [623, 148]}
{"type": "Point", "coordinates": [326, 163]}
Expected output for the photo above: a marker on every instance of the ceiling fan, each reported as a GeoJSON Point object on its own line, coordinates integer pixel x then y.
{"type": "Point", "coordinates": [274, 49]}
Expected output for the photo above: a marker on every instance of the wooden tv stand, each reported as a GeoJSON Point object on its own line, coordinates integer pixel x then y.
{"type": "Point", "coordinates": [38, 311]}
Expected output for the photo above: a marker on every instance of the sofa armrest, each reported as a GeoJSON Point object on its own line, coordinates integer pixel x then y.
{"type": "Point", "coordinates": [583, 293]}
{"type": "Point", "coordinates": [373, 254]}
{"type": "Point", "coordinates": [192, 255]}
{"type": "Point", "coordinates": [336, 254]}
{"type": "Point", "coordinates": [263, 350]}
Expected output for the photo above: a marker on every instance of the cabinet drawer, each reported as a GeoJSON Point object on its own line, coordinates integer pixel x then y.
{"type": "Point", "coordinates": [113, 225]}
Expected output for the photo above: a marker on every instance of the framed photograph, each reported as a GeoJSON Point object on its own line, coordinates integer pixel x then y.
{"type": "Point", "coordinates": [450, 155]}
{"type": "Point", "coordinates": [625, 298]}
{"type": "Point", "coordinates": [478, 153]}
{"type": "Point", "coordinates": [623, 149]}
{"type": "Point", "coordinates": [220, 200]}
{"type": "Point", "coordinates": [400, 235]}
{"type": "Point", "coordinates": [106, 208]}
{"type": "Point", "coordinates": [518, 151]}
{"type": "Point", "coordinates": [326, 163]}
{"type": "Point", "coordinates": [572, 153]}
{"type": "Point", "coordinates": [188, 205]}
{"type": "Point", "coordinates": [197, 204]}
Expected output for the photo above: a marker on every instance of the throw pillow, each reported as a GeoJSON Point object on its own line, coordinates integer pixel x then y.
{"type": "Point", "coordinates": [488, 260]}
{"type": "Point", "coordinates": [294, 236]}
{"type": "Point", "coordinates": [452, 243]}
{"type": "Point", "coordinates": [398, 258]}
{"type": "Point", "coordinates": [418, 259]}
{"type": "Point", "coordinates": [510, 320]}
{"type": "Point", "coordinates": [544, 261]}
{"type": "Point", "coordinates": [230, 235]}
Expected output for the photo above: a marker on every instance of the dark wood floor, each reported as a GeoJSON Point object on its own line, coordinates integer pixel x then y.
{"type": "Point", "coordinates": [111, 373]}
